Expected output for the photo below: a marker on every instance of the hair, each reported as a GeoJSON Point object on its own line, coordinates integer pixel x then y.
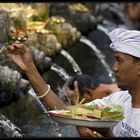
{"type": "Point", "coordinates": [136, 59]}
{"type": "Point", "coordinates": [84, 82]}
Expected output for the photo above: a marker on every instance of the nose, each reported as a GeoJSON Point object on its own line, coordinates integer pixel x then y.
{"type": "Point", "coordinates": [115, 67]}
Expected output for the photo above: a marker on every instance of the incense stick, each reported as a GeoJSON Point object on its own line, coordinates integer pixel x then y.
{"type": "Point", "coordinates": [2, 49]}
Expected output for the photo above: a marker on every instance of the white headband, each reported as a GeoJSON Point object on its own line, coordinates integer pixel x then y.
{"type": "Point", "coordinates": [125, 41]}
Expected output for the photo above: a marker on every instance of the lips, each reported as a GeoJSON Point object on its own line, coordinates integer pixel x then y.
{"type": "Point", "coordinates": [117, 77]}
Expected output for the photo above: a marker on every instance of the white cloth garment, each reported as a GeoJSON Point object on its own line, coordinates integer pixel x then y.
{"type": "Point", "coordinates": [125, 41]}
{"type": "Point", "coordinates": [130, 125]}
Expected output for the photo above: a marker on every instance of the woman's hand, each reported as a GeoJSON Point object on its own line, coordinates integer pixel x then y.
{"type": "Point", "coordinates": [20, 55]}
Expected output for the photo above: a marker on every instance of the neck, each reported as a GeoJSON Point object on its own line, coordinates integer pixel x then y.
{"type": "Point", "coordinates": [135, 93]}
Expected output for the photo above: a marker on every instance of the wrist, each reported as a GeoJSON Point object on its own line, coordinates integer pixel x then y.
{"type": "Point", "coordinates": [36, 80]}
{"type": "Point", "coordinates": [30, 69]}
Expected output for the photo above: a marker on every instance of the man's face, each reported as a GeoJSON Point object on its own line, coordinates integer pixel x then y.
{"type": "Point", "coordinates": [126, 70]}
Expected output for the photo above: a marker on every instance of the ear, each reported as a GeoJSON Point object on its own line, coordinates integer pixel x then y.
{"type": "Point", "coordinates": [139, 68]}
{"type": "Point", "coordinates": [87, 93]}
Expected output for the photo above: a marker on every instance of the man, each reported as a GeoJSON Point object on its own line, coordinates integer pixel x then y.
{"type": "Point", "coordinates": [84, 86]}
{"type": "Point", "coordinates": [126, 46]}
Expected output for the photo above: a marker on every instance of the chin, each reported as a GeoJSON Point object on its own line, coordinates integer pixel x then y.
{"type": "Point", "coordinates": [122, 87]}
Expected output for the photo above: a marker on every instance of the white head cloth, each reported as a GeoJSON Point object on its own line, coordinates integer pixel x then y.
{"type": "Point", "coordinates": [125, 41]}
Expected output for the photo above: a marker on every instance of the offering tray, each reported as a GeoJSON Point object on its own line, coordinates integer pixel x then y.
{"type": "Point", "coordinates": [61, 118]}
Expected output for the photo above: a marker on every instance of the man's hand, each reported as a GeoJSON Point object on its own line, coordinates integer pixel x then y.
{"type": "Point", "coordinates": [87, 132]}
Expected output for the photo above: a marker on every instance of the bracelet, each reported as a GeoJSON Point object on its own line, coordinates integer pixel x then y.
{"type": "Point", "coordinates": [45, 92]}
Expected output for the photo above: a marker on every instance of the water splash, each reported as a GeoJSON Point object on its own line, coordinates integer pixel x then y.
{"type": "Point", "coordinates": [60, 71]}
{"type": "Point", "coordinates": [75, 66]}
{"type": "Point", "coordinates": [54, 124]}
{"type": "Point", "coordinates": [99, 55]}
{"type": "Point", "coordinates": [102, 28]}
{"type": "Point", "coordinates": [32, 92]}
{"type": "Point", "coordinates": [62, 93]}
{"type": "Point", "coordinates": [9, 128]}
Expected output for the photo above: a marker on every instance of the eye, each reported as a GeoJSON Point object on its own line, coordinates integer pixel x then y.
{"type": "Point", "coordinates": [119, 60]}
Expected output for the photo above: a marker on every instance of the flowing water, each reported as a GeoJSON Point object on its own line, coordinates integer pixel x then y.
{"type": "Point", "coordinates": [71, 60]}
{"type": "Point", "coordinates": [9, 128]}
{"type": "Point", "coordinates": [55, 125]}
{"type": "Point", "coordinates": [101, 27]}
{"type": "Point", "coordinates": [87, 56]}
{"type": "Point", "coordinates": [61, 71]}
{"type": "Point", "coordinates": [99, 55]}
{"type": "Point", "coordinates": [28, 112]}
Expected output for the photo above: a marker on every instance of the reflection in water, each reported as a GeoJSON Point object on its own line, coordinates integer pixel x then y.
{"type": "Point", "coordinates": [60, 71]}
{"type": "Point", "coordinates": [99, 55]}
{"type": "Point", "coordinates": [76, 68]}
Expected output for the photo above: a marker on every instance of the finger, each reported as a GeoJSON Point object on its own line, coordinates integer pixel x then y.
{"type": "Point", "coordinates": [12, 50]}
{"type": "Point", "coordinates": [18, 45]}
{"type": "Point", "coordinates": [76, 91]}
{"type": "Point", "coordinates": [6, 52]}
{"type": "Point", "coordinates": [76, 86]}
{"type": "Point", "coordinates": [91, 134]}
{"type": "Point", "coordinates": [10, 47]}
{"type": "Point", "coordinates": [67, 89]}
{"type": "Point", "coordinates": [67, 94]}
{"type": "Point", "coordinates": [17, 42]}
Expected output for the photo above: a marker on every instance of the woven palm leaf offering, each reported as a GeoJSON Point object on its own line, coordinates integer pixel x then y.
{"type": "Point", "coordinates": [18, 35]}
{"type": "Point", "coordinates": [93, 112]}
{"type": "Point", "coordinates": [36, 25]}
{"type": "Point", "coordinates": [14, 35]}
{"type": "Point", "coordinates": [79, 7]}
{"type": "Point", "coordinates": [107, 113]}
{"type": "Point", "coordinates": [45, 37]}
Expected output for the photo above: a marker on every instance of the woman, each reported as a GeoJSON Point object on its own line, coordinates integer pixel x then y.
{"type": "Point", "coordinates": [85, 86]}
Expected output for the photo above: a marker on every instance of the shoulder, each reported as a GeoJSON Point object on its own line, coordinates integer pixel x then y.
{"type": "Point", "coordinates": [120, 94]}
{"type": "Point", "coordinates": [119, 97]}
